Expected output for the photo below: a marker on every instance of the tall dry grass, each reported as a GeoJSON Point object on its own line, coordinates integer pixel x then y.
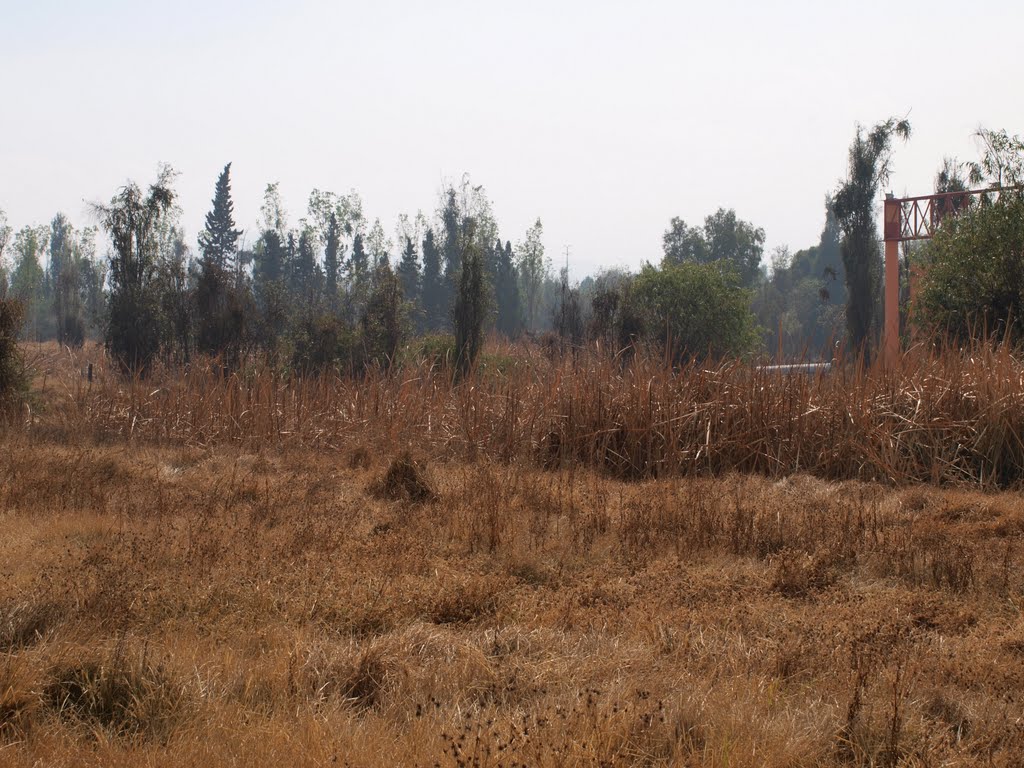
{"type": "Point", "coordinates": [947, 416]}
{"type": "Point", "coordinates": [176, 606]}
{"type": "Point", "coordinates": [550, 566]}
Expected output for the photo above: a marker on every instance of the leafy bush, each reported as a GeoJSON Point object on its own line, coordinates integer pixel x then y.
{"type": "Point", "coordinates": [695, 310]}
{"type": "Point", "coordinates": [973, 271]}
{"type": "Point", "coordinates": [321, 342]}
{"type": "Point", "coordinates": [436, 350]}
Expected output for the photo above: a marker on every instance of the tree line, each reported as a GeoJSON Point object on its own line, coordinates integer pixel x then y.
{"type": "Point", "coordinates": [333, 289]}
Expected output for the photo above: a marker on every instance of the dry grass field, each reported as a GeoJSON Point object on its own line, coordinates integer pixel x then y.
{"type": "Point", "coordinates": [555, 566]}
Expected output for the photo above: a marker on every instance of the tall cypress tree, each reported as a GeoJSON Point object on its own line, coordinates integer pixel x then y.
{"type": "Point", "coordinates": [270, 288]}
{"type": "Point", "coordinates": [218, 313]}
{"type": "Point", "coordinates": [219, 238]}
{"type": "Point", "coordinates": [452, 250]}
{"type": "Point", "coordinates": [360, 260]}
{"type": "Point", "coordinates": [432, 290]}
{"type": "Point", "coordinates": [506, 290]}
{"type": "Point", "coordinates": [409, 272]}
{"type": "Point", "coordinates": [305, 269]}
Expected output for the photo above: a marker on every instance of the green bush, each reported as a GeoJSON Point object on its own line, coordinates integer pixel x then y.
{"type": "Point", "coordinates": [323, 342]}
{"type": "Point", "coordinates": [973, 271]}
{"type": "Point", "coordinates": [694, 310]}
{"type": "Point", "coordinates": [436, 350]}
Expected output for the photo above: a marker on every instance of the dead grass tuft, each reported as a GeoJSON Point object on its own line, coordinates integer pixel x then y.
{"type": "Point", "coordinates": [26, 623]}
{"type": "Point", "coordinates": [126, 695]}
{"type": "Point", "coordinates": [405, 480]}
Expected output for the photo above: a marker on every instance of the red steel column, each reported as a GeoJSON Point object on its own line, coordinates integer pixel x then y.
{"type": "Point", "coordinates": [891, 340]}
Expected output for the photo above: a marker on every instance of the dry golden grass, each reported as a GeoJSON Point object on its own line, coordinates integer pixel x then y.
{"type": "Point", "coordinates": [949, 417]}
{"type": "Point", "coordinates": [363, 588]}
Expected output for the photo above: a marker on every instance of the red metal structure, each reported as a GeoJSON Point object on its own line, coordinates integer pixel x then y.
{"type": "Point", "coordinates": [914, 218]}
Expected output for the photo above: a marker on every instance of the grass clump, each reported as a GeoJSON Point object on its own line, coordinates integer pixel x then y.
{"type": "Point", "coordinates": [23, 624]}
{"type": "Point", "coordinates": [126, 697]}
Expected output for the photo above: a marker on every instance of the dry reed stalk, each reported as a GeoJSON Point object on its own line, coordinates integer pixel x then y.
{"type": "Point", "coordinates": [941, 416]}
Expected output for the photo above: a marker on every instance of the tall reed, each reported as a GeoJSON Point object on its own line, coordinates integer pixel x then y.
{"type": "Point", "coordinates": [939, 416]}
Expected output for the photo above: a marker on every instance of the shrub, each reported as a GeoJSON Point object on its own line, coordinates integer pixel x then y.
{"type": "Point", "coordinates": [973, 276]}
{"type": "Point", "coordinates": [695, 310]}
{"type": "Point", "coordinates": [13, 378]}
{"type": "Point", "coordinates": [436, 350]}
{"type": "Point", "coordinates": [129, 697]}
{"type": "Point", "coordinates": [322, 342]}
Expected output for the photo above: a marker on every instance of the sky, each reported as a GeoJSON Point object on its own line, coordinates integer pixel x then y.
{"type": "Point", "coordinates": [604, 119]}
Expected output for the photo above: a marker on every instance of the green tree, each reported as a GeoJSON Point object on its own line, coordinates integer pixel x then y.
{"type": "Point", "coordinates": [219, 314]}
{"type": "Point", "coordinates": [378, 244]}
{"type": "Point", "coordinates": [383, 319]}
{"type": "Point", "coordinates": [304, 269]}
{"type": "Point", "coordinates": [13, 377]}
{"type": "Point", "coordinates": [568, 319]}
{"type": "Point", "coordinates": [131, 218]}
{"type": "Point", "coordinates": [64, 276]}
{"type": "Point", "coordinates": [28, 281]}
{"type": "Point", "coordinates": [973, 282]}
{"type": "Point", "coordinates": [360, 262]}
{"type": "Point", "coordinates": [432, 290]}
{"type": "Point", "coordinates": [94, 278]}
{"type": "Point", "coordinates": [684, 244]}
{"type": "Point", "coordinates": [695, 310]}
{"type": "Point", "coordinates": [854, 204]}
{"type": "Point", "coordinates": [273, 215]}
{"type": "Point", "coordinates": [176, 290]}
{"type": "Point", "coordinates": [464, 209]}
{"type": "Point", "coordinates": [218, 241]}
{"type": "Point", "coordinates": [800, 303]}
{"type": "Point", "coordinates": [332, 265]}
{"type": "Point", "coordinates": [270, 290]}
{"type": "Point", "coordinates": [735, 242]}
{"type": "Point", "coordinates": [723, 238]}
{"type": "Point", "coordinates": [450, 249]}
{"type": "Point", "coordinates": [409, 272]}
{"type": "Point", "coordinates": [533, 269]}
{"type": "Point", "coordinates": [1002, 160]}
{"type": "Point", "coordinates": [469, 312]}
{"type": "Point", "coordinates": [616, 320]}
{"type": "Point", "coordinates": [509, 319]}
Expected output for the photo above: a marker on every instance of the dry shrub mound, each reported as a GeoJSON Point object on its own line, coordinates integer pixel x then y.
{"type": "Point", "coordinates": [129, 698]}
{"type": "Point", "coordinates": [405, 480]}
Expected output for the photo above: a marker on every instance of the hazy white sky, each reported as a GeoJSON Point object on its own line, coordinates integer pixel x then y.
{"type": "Point", "coordinates": [603, 118]}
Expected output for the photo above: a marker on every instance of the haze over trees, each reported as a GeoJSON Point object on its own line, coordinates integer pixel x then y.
{"type": "Point", "coordinates": [329, 287]}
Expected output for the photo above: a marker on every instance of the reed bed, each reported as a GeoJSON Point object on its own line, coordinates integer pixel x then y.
{"type": "Point", "coordinates": [948, 416]}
